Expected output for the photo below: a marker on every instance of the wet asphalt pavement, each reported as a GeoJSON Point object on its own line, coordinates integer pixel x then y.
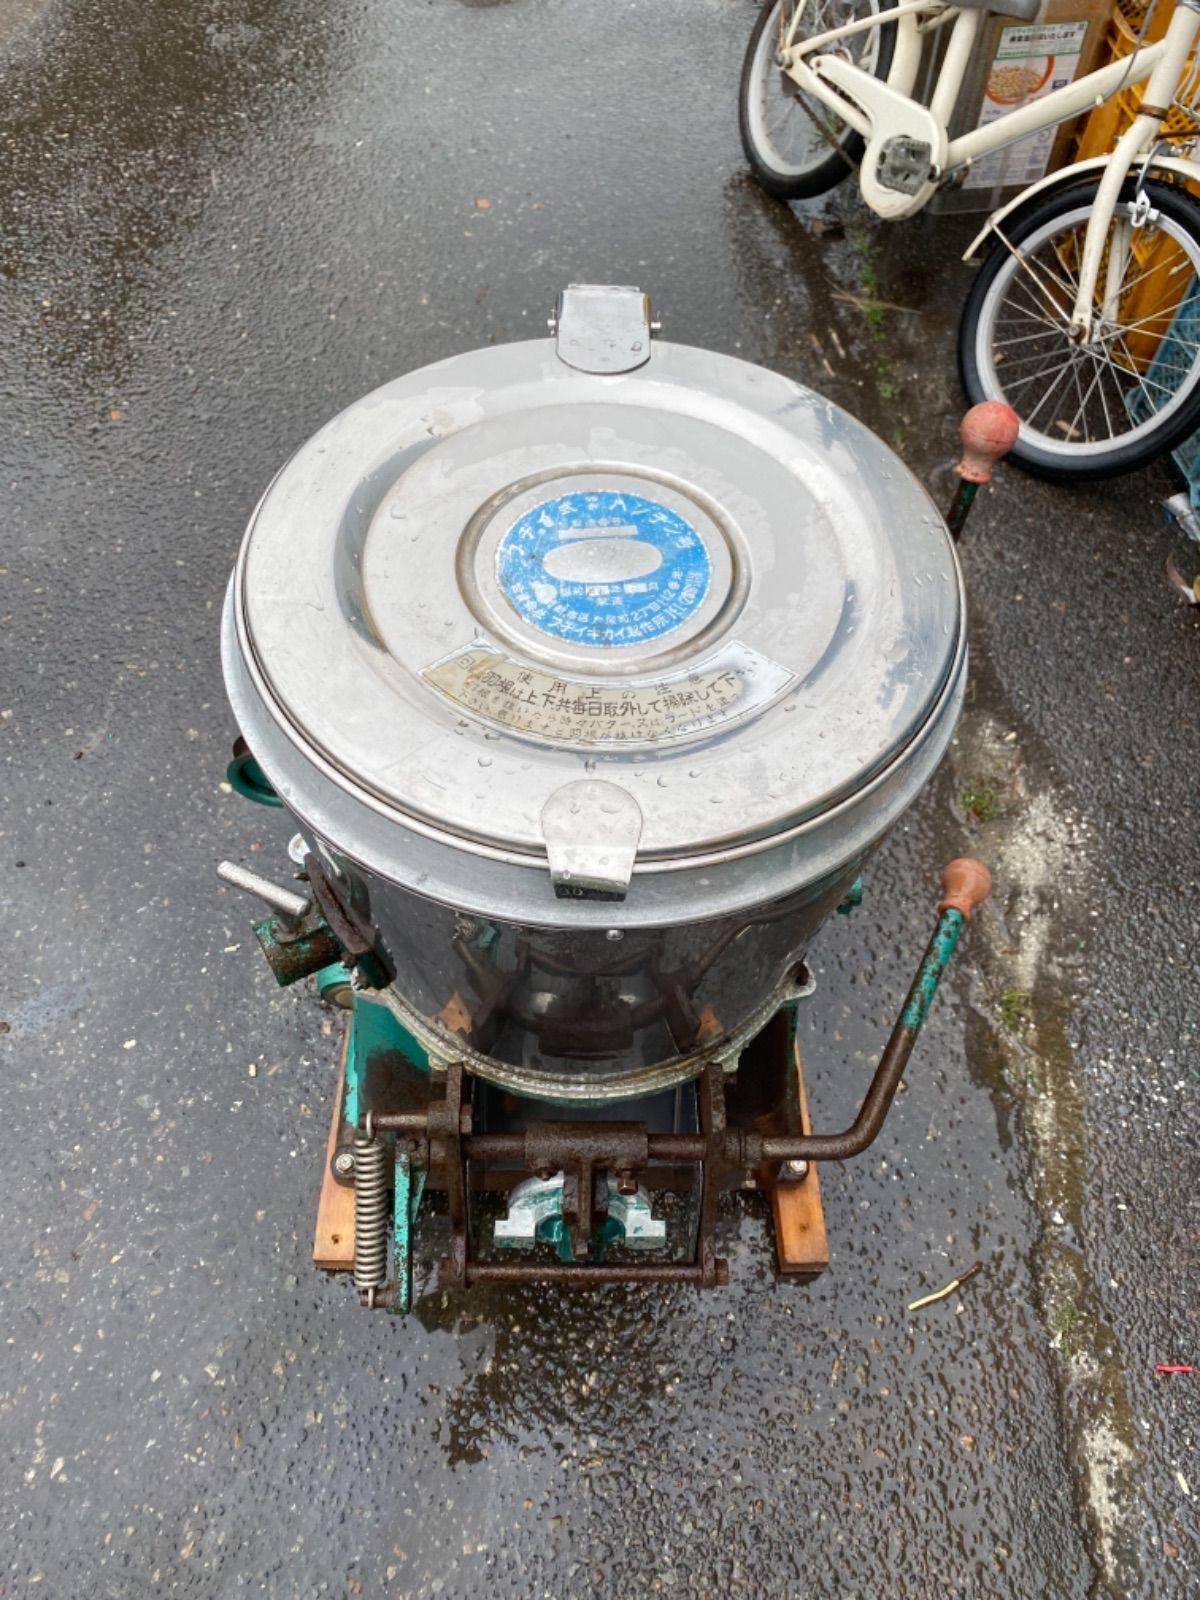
{"type": "Point", "coordinates": [221, 222]}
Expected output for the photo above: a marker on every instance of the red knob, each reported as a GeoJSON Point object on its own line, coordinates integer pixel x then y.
{"type": "Point", "coordinates": [989, 431]}
{"type": "Point", "coordinates": [966, 883]}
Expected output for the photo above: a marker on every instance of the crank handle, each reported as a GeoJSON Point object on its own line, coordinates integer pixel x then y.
{"type": "Point", "coordinates": [989, 431]}
{"type": "Point", "coordinates": [966, 884]}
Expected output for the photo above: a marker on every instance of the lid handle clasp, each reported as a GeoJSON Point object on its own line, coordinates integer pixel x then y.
{"type": "Point", "coordinates": [603, 328]}
{"type": "Point", "coordinates": [591, 829]}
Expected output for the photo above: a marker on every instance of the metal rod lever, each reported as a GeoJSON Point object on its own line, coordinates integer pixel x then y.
{"type": "Point", "coordinates": [966, 884]}
{"type": "Point", "coordinates": [286, 902]}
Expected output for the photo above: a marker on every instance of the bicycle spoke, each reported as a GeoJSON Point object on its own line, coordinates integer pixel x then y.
{"type": "Point", "coordinates": [1046, 357]}
{"type": "Point", "coordinates": [1063, 370]}
{"type": "Point", "coordinates": [1038, 310]}
{"type": "Point", "coordinates": [1081, 415]}
{"type": "Point", "coordinates": [1101, 370]}
{"type": "Point", "coordinates": [1142, 379]}
{"type": "Point", "coordinates": [1070, 429]}
{"type": "Point", "coordinates": [1020, 338]}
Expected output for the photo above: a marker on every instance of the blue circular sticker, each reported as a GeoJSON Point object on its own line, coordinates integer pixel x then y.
{"type": "Point", "coordinates": [603, 568]}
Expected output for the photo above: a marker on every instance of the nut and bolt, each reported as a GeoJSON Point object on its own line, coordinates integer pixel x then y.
{"type": "Point", "coordinates": [343, 1163]}
{"type": "Point", "coordinates": [793, 1171]}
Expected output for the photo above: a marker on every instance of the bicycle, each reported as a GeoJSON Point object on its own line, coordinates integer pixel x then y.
{"type": "Point", "coordinates": [1085, 313]}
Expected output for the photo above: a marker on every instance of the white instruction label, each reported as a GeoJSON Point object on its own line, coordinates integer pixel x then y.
{"type": "Point", "coordinates": [528, 700]}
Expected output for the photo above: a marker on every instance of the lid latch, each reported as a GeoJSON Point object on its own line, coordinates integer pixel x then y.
{"type": "Point", "coordinates": [591, 829]}
{"type": "Point", "coordinates": [601, 327]}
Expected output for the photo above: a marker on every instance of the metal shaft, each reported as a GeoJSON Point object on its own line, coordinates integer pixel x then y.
{"type": "Point", "coordinates": [286, 901]}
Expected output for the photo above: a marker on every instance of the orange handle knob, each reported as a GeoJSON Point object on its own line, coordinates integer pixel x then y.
{"type": "Point", "coordinates": [966, 883]}
{"type": "Point", "coordinates": [989, 431]}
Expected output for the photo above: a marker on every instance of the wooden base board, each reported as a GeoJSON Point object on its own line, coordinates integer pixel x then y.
{"type": "Point", "coordinates": [333, 1242]}
{"type": "Point", "coordinates": [801, 1245]}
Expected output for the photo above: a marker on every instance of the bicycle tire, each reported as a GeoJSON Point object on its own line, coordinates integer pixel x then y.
{"type": "Point", "coordinates": [768, 166]}
{"type": "Point", "coordinates": [1037, 451]}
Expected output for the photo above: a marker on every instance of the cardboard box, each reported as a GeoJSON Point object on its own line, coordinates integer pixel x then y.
{"type": "Point", "coordinates": [1016, 63]}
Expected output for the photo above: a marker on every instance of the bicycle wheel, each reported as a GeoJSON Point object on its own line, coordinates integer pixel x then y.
{"type": "Point", "coordinates": [796, 146]}
{"type": "Point", "coordinates": [1133, 392]}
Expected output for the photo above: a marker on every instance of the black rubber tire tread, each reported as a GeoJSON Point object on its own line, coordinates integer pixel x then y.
{"type": "Point", "coordinates": [840, 162]}
{"type": "Point", "coordinates": [1183, 209]}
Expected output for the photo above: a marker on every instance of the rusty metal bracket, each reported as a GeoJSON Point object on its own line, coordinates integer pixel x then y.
{"type": "Point", "coordinates": [354, 934]}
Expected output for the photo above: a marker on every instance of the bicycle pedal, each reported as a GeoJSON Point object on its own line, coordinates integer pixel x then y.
{"type": "Point", "coordinates": [905, 164]}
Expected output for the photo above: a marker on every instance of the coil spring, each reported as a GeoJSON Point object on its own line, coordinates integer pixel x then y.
{"type": "Point", "coordinates": [370, 1214]}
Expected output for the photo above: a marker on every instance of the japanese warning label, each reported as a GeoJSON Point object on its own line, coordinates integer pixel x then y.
{"type": "Point", "coordinates": [603, 569]}
{"type": "Point", "coordinates": [530, 701]}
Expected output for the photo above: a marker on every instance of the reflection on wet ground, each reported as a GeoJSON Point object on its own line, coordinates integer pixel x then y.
{"type": "Point", "coordinates": [118, 122]}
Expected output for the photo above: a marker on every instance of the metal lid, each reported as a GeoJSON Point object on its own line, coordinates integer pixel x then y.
{"type": "Point", "coordinates": [672, 604]}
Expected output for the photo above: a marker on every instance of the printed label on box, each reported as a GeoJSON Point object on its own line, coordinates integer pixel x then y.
{"type": "Point", "coordinates": [1031, 61]}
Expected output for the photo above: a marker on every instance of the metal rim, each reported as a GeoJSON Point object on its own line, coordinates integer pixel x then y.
{"type": "Point", "coordinates": [597, 1088]}
{"type": "Point", "coordinates": [645, 864]}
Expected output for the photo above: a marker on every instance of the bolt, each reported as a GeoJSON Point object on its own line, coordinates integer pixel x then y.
{"type": "Point", "coordinates": [748, 1179]}
{"type": "Point", "coordinates": [343, 1163]}
{"type": "Point", "coordinates": [626, 1182]}
{"type": "Point", "coordinates": [793, 1171]}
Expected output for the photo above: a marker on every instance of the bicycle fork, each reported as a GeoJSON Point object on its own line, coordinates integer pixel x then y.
{"type": "Point", "coordinates": [1138, 141]}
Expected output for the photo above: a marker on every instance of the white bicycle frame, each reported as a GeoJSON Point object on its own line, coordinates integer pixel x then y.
{"type": "Point", "coordinates": [885, 114]}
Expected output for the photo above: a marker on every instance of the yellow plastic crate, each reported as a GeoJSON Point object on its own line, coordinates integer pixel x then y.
{"type": "Point", "coordinates": [1106, 123]}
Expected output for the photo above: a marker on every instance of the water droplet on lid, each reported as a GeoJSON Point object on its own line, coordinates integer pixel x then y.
{"type": "Point", "coordinates": [398, 512]}
{"type": "Point", "coordinates": [484, 761]}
